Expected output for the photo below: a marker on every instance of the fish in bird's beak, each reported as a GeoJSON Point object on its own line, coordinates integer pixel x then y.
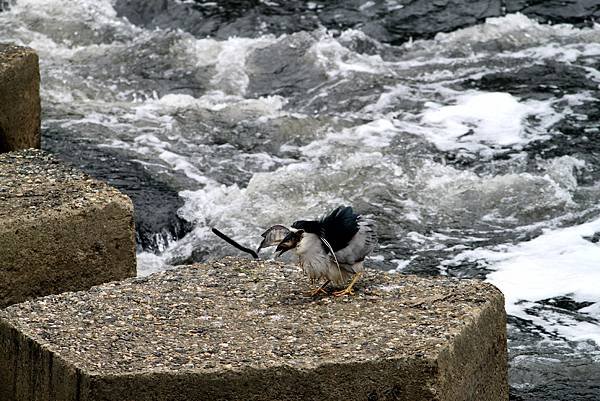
{"type": "Point", "coordinates": [273, 236]}
{"type": "Point", "coordinates": [290, 241]}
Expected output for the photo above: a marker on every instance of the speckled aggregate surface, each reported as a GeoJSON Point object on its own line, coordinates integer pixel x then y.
{"type": "Point", "coordinates": [236, 313]}
{"type": "Point", "coordinates": [32, 180]}
{"type": "Point", "coordinates": [60, 230]}
{"type": "Point", "coordinates": [9, 53]}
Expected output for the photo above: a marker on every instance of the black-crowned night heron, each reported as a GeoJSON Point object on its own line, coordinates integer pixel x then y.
{"type": "Point", "coordinates": [331, 248]}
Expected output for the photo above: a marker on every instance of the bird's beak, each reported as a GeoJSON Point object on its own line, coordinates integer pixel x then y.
{"type": "Point", "coordinates": [289, 242]}
{"type": "Point", "coordinates": [281, 249]}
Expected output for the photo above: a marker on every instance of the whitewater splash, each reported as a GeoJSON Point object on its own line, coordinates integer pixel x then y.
{"type": "Point", "coordinates": [476, 151]}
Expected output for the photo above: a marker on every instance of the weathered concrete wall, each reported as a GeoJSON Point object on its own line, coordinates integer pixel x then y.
{"type": "Point", "coordinates": [59, 229]}
{"type": "Point", "coordinates": [19, 98]}
{"type": "Point", "coordinates": [242, 330]}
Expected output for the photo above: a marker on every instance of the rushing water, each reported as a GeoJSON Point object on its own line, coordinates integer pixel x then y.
{"type": "Point", "coordinates": [477, 151]}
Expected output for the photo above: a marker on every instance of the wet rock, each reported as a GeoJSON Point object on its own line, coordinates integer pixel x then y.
{"type": "Point", "coordinates": [155, 202]}
{"type": "Point", "coordinates": [382, 21]}
{"type": "Point", "coordinates": [222, 19]}
{"type": "Point", "coordinates": [240, 329]}
{"type": "Point", "coordinates": [275, 70]}
{"type": "Point", "coordinates": [542, 81]}
{"type": "Point", "coordinates": [565, 303]}
{"type": "Point", "coordinates": [577, 12]}
{"type": "Point", "coordinates": [19, 98]}
{"type": "Point", "coordinates": [424, 18]}
{"type": "Point", "coordinates": [388, 22]}
{"type": "Point", "coordinates": [60, 230]}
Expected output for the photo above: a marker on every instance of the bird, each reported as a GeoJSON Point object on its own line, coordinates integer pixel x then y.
{"type": "Point", "coordinates": [333, 247]}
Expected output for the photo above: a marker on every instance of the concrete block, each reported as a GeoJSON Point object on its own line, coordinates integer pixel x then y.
{"type": "Point", "coordinates": [237, 329]}
{"type": "Point", "coordinates": [59, 229]}
{"type": "Point", "coordinates": [19, 98]}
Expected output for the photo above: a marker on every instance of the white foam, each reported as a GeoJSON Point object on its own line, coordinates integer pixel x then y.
{"type": "Point", "coordinates": [569, 53]}
{"type": "Point", "coordinates": [448, 190]}
{"type": "Point", "coordinates": [516, 30]}
{"type": "Point", "coordinates": [231, 73]}
{"type": "Point", "coordinates": [401, 264]}
{"type": "Point", "coordinates": [560, 262]}
{"type": "Point", "coordinates": [337, 60]}
{"type": "Point", "coordinates": [366, 5]}
{"type": "Point", "coordinates": [562, 171]}
{"type": "Point", "coordinates": [373, 136]}
{"type": "Point", "coordinates": [217, 100]}
{"type": "Point", "coordinates": [80, 17]}
{"type": "Point", "coordinates": [480, 120]}
{"type": "Point", "coordinates": [388, 99]}
{"type": "Point", "coordinates": [179, 163]}
{"type": "Point", "coordinates": [91, 10]}
{"type": "Point", "coordinates": [148, 263]}
{"type": "Point", "coordinates": [393, 5]}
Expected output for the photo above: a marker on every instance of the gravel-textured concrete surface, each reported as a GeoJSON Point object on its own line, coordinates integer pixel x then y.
{"type": "Point", "coordinates": [237, 329]}
{"type": "Point", "coordinates": [19, 98]}
{"type": "Point", "coordinates": [59, 229]}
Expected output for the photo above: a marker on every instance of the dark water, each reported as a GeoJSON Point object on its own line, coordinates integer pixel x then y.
{"type": "Point", "coordinates": [477, 150]}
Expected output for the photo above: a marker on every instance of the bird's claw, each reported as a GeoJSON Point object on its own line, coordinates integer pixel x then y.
{"type": "Point", "coordinates": [315, 292]}
{"type": "Point", "coordinates": [350, 289]}
{"type": "Point", "coordinates": [347, 291]}
{"type": "Point", "coordinates": [321, 288]}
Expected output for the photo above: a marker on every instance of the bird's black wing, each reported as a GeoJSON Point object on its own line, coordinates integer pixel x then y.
{"type": "Point", "coordinates": [338, 227]}
{"type": "Point", "coordinates": [360, 245]}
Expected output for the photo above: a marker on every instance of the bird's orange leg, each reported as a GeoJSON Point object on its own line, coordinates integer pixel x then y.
{"type": "Point", "coordinates": [320, 289]}
{"type": "Point", "coordinates": [348, 290]}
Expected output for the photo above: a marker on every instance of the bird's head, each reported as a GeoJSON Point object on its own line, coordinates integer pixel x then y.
{"type": "Point", "coordinates": [309, 226]}
{"type": "Point", "coordinates": [299, 225]}
{"type": "Point", "coordinates": [289, 242]}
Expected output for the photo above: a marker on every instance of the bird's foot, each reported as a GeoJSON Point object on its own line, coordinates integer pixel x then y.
{"type": "Point", "coordinates": [346, 291]}
{"type": "Point", "coordinates": [320, 289]}
{"type": "Point", "coordinates": [316, 292]}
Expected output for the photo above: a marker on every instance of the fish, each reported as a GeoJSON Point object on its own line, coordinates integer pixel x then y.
{"type": "Point", "coordinates": [273, 236]}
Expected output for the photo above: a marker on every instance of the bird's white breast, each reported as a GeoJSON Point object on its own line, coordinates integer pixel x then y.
{"type": "Point", "coordinates": [313, 259]}
{"type": "Point", "coordinates": [316, 262]}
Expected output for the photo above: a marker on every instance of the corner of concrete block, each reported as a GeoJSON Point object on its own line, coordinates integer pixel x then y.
{"type": "Point", "coordinates": [20, 104]}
